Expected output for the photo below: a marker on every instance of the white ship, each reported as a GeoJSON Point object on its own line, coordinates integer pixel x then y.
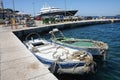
{"type": "Point", "coordinates": [52, 11]}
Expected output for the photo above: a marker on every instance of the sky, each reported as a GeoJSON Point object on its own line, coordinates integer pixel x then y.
{"type": "Point", "coordinates": [84, 7]}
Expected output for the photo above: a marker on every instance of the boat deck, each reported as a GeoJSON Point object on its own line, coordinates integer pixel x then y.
{"type": "Point", "coordinates": [47, 51]}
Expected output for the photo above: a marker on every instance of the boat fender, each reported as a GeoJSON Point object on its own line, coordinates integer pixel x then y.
{"type": "Point", "coordinates": [104, 56]}
{"type": "Point", "coordinates": [93, 67]}
{"type": "Point", "coordinates": [103, 52]}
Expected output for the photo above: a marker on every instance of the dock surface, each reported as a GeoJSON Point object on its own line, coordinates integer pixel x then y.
{"type": "Point", "coordinates": [17, 62]}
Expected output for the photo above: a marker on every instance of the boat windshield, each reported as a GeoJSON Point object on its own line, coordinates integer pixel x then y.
{"type": "Point", "coordinates": [56, 34]}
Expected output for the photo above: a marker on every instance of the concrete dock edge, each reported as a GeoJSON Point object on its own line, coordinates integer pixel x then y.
{"type": "Point", "coordinates": [18, 63]}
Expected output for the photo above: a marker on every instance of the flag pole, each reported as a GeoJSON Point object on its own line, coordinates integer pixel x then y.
{"type": "Point", "coordinates": [65, 8]}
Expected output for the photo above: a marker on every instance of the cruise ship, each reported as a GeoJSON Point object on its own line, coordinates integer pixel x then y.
{"type": "Point", "coordinates": [52, 11]}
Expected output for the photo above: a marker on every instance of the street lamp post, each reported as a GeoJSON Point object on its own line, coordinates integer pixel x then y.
{"type": "Point", "coordinates": [13, 8]}
{"type": "Point", "coordinates": [2, 9]}
{"type": "Point", "coordinates": [34, 9]}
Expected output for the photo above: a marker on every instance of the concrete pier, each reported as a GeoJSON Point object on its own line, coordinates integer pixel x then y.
{"type": "Point", "coordinates": [17, 62]}
{"type": "Point", "coordinates": [45, 28]}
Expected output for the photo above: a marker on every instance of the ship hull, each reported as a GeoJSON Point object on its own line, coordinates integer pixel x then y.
{"type": "Point", "coordinates": [63, 13]}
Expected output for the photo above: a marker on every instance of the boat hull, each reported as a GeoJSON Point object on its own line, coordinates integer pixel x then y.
{"type": "Point", "coordinates": [78, 70]}
{"type": "Point", "coordinates": [94, 47]}
{"type": "Point", "coordinates": [67, 67]}
{"type": "Point", "coordinates": [81, 44]}
{"type": "Point", "coordinates": [64, 13]}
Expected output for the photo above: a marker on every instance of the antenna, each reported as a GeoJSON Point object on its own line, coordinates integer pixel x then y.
{"type": "Point", "coordinates": [65, 8]}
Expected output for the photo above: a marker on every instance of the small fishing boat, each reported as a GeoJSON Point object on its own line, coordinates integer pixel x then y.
{"type": "Point", "coordinates": [96, 48]}
{"type": "Point", "coordinates": [60, 59]}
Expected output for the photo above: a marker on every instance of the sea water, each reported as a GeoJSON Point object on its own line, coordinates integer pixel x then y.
{"type": "Point", "coordinates": [108, 33]}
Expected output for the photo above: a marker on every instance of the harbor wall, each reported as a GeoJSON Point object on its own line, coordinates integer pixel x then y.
{"type": "Point", "coordinates": [21, 34]}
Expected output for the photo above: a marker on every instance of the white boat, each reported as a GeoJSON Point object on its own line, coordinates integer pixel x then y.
{"type": "Point", "coordinates": [61, 59]}
{"type": "Point", "coordinates": [52, 11]}
{"type": "Point", "coordinates": [96, 48]}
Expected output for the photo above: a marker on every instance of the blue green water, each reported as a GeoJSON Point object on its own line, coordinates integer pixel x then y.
{"type": "Point", "coordinates": [109, 33]}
